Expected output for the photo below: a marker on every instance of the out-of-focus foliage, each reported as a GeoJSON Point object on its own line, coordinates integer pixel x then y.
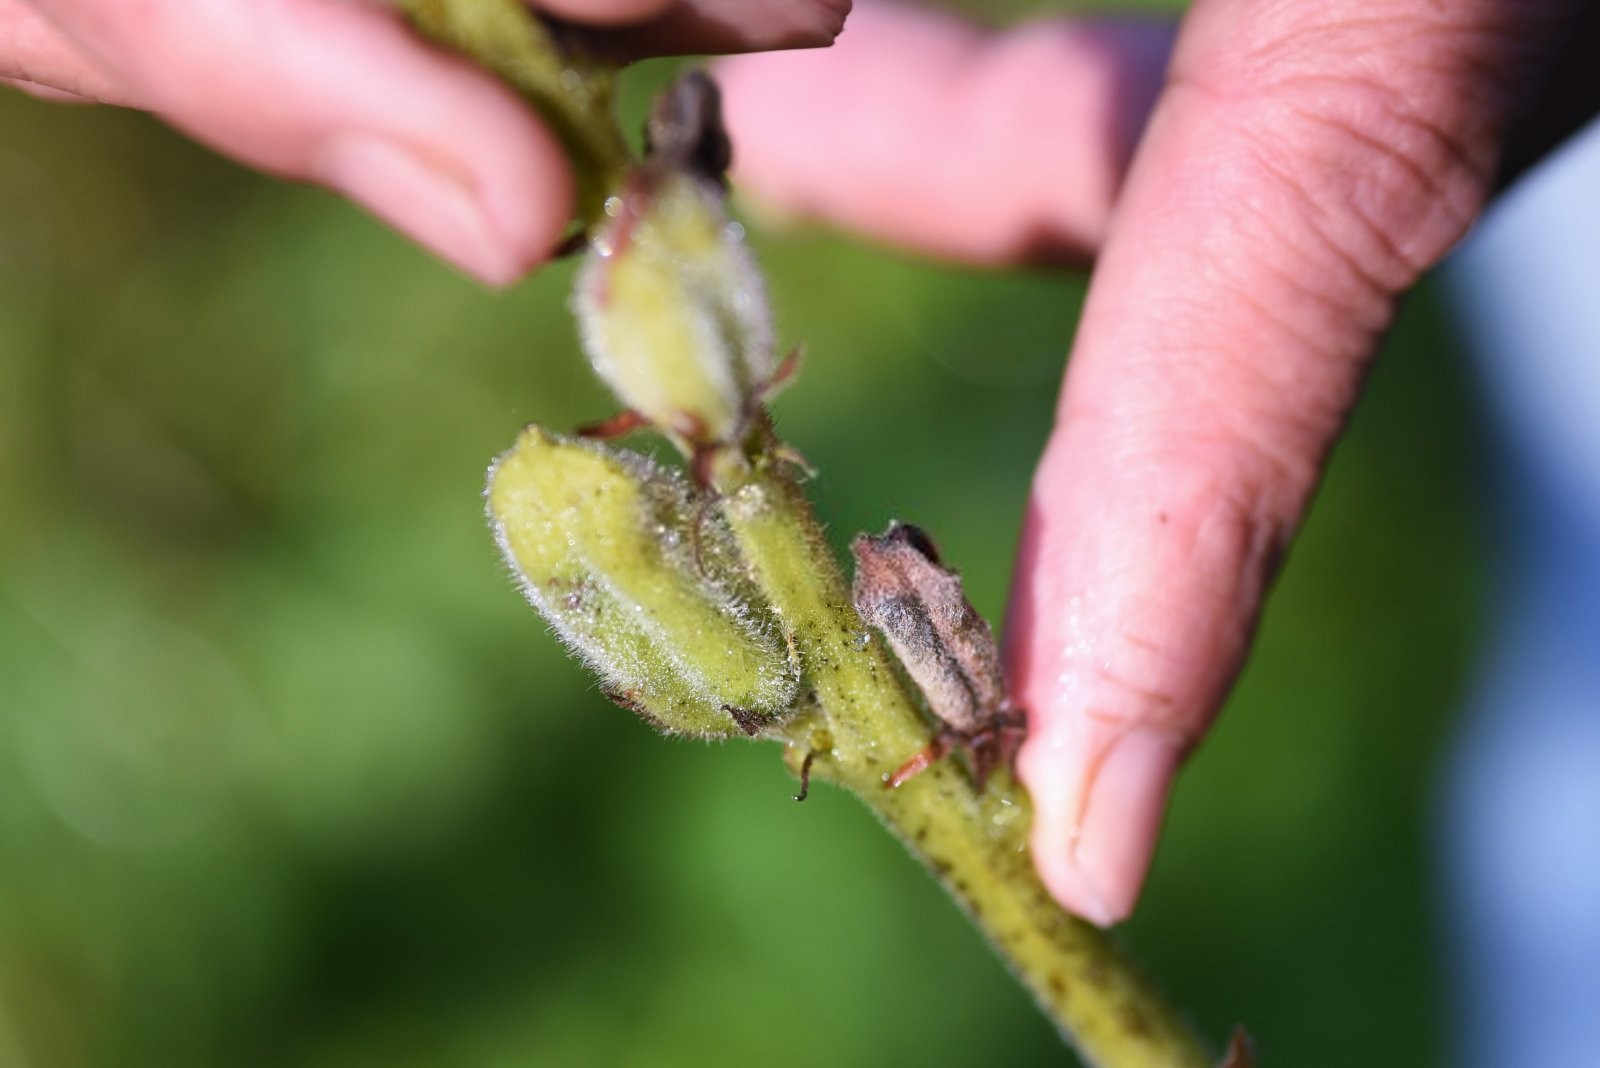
{"type": "Point", "coordinates": [290, 775]}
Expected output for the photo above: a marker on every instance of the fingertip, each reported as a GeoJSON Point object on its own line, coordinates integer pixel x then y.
{"type": "Point", "coordinates": [411, 192]}
{"type": "Point", "coordinates": [1098, 815]}
{"type": "Point", "coordinates": [1067, 883]}
{"type": "Point", "coordinates": [723, 27]}
{"type": "Point", "coordinates": [532, 203]}
{"type": "Point", "coordinates": [1056, 799]}
{"type": "Point", "coordinates": [1140, 576]}
{"type": "Point", "coordinates": [1122, 820]}
{"type": "Point", "coordinates": [605, 12]}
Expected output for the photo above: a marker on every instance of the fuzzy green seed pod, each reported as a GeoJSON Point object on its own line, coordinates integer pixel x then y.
{"type": "Point", "coordinates": [643, 582]}
{"type": "Point", "coordinates": [672, 311]}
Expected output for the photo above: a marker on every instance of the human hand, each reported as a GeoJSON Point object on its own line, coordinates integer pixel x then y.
{"type": "Point", "coordinates": [340, 93]}
{"type": "Point", "coordinates": [1302, 165]}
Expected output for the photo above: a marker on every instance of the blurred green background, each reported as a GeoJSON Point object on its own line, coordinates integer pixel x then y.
{"type": "Point", "coordinates": [290, 775]}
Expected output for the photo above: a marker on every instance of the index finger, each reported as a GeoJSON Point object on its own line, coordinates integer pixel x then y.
{"type": "Point", "coordinates": [1305, 164]}
{"type": "Point", "coordinates": [923, 130]}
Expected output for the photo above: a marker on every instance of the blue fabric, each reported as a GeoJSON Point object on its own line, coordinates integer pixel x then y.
{"type": "Point", "coordinates": [1520, 818]}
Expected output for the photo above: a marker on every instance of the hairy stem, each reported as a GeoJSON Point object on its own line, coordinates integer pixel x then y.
{"type": "Point", "coordinates": [862, 725]}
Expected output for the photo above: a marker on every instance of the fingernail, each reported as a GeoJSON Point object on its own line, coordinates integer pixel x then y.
{"type": "Point", "coordinates": [1122, 819]}
{"type": "Point", "coordinates": [422, 198]}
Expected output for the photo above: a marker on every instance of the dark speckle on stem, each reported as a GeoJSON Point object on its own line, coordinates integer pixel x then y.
{"type": "Point", "coordinates": [1096, 975]}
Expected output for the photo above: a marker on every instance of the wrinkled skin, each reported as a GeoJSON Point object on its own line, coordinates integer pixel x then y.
{"type": "Point", "coordinates": [1258, 187]}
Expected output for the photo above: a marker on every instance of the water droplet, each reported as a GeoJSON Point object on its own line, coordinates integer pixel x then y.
{"type": "Point", "coordinates": [613, 206]}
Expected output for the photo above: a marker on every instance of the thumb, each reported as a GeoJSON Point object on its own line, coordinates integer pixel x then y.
{"type": "Point", "coordinates": [1303, 166]}
{"type": "Point", "coordinates": [337, 93]}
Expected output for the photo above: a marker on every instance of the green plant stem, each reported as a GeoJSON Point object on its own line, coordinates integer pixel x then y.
{"type": "Point", "coordinates": [862, 726]}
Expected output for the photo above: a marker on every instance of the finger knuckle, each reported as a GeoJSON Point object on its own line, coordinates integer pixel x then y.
{"type": "Point", "coordinates": [1395, 184]}
{"type": "Point", "coordinates": [1381, 128]}
{"type": "Point", "coordinates": [1214, 539]}
{"type": "Point", "coordinates": [1231, 519]}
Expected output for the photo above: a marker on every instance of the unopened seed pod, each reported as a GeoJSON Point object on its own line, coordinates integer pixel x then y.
{"type": "Point", "coordinates": [643, 582]}
{"type": "Point", "coordinates": [672, 311]}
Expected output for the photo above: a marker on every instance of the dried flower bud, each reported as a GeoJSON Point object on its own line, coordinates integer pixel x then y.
{"type": "Point", "coordinates": [685, 132]}
{"type": "Point", "coordinates": [672, 311]}
{"type": "Point", "coordinates": [643, 582]}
